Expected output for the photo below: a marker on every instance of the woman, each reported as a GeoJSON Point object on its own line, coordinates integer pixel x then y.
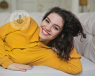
{"type": "Point", "coordinates": [50, 45]}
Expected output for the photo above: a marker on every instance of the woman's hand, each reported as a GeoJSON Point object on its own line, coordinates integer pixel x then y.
{"type": "Point", "coordinates": [19, 67]}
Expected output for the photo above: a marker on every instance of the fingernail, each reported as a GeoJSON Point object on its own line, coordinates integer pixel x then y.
{"type": "Point", "coordinates": [25, 69]}
{"type": "Point", "coordinates": [31, 67]}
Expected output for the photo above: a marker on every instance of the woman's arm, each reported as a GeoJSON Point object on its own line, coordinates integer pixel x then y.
{"type": "Point", "coordinates": [73, 66]}
{"type": "Point", "coordinates": [4, 60]}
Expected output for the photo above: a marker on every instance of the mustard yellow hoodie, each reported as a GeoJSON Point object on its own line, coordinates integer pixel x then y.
{"type": "Point", "coordinates": [24, 47]}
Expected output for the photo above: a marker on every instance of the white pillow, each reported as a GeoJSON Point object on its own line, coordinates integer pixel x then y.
{"type": "Point", "coordinates": [4, 18]}
{"type": "Point", "coordinates": [87, 47]}
{"type": "Point", "coordinates": [37, 17]}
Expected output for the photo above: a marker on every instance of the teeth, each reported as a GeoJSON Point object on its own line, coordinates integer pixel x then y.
{"type": "Point", "coordinates": [45, 32]}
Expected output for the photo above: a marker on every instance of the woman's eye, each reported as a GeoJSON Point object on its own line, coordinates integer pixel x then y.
{"type": "Point", "coordinates": [47, 21]}
{"type": "Point", "coordinates": [56, 28]}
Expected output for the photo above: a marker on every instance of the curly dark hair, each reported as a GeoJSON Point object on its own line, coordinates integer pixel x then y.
{"type": "Point", "coordinates": [64, 42]}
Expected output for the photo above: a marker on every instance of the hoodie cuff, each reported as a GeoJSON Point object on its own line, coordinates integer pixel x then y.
{"type": "Point", "coordinates": [6, 63]}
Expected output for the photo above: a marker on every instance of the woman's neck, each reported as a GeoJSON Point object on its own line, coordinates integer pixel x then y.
{"type": "Point", "coordinates": [44, 42]}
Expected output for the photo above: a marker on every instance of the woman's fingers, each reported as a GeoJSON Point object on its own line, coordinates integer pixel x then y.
{"type": "Point", "coordinates": [27, 67]}
{"type": "Point", "coordinates": [19, 67]}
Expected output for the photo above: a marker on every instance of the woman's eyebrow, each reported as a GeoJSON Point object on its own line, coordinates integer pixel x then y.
{"type": "Point", "coordinates": [55, 24]}
{"type": "Point", "coordinates": [48, 18]}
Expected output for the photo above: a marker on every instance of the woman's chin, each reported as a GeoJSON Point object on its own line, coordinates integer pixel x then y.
{"type": "Point", "coordinates": [43, 39]}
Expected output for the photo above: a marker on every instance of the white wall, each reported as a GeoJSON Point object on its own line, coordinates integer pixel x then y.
{"type": "Point", "coordinates": [75, 6]}
{"type": "Point", "coordinates": [72, 5]}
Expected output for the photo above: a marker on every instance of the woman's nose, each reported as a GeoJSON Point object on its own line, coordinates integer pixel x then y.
{"type": "Point", "coordinates": [48, 27]}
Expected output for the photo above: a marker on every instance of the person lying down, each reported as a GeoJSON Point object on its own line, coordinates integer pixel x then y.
{"type": "Point", "coordinates": [51, 44]}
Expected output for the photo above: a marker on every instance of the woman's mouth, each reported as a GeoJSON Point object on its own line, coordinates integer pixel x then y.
{"type": "Point", "coordinates": [45, 32]}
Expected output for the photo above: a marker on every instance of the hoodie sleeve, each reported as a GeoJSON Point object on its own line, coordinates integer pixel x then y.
{"type": "Point", "coordinates": [4, 60]}
{"type": "Point", "coordinates": [72, 66]}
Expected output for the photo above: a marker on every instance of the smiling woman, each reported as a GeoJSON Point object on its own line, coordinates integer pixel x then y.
{"type": "Point", "coordinates": [50, 28]}
{"type": "Point", "coordinates": [21, 49]}
{"type": "Point", "coordinates": [63, 26]}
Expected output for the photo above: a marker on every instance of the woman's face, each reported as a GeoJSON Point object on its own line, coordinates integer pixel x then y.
{"type": "Point", "coordinates": [51, 27]}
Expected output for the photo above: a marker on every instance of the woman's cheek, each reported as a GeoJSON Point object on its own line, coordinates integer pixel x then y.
{"type": "Point", "coordinates": [55, 33]}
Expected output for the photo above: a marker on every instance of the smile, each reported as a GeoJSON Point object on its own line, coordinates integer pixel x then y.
{"type": "Point", "coordinates": [44, 32]}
